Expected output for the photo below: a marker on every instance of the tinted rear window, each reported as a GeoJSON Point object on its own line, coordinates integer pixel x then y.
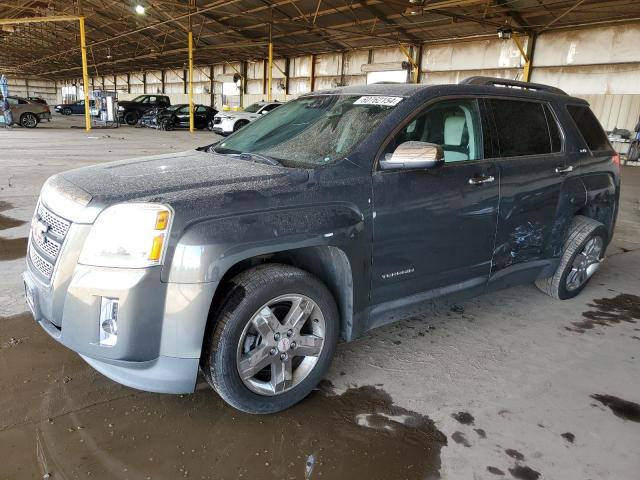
{"type": "Point", "coordinates": [523, 129]}
{"type": "Point", "coordinates": [589, 127]}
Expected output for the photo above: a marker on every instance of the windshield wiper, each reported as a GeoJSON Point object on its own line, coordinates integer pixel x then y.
{"type": "Point", "coordinates": [259, 158]}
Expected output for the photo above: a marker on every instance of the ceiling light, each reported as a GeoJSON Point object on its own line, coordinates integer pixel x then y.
{"type": "Point", "coordinates": [505, 32]}
{"type": "Point", "coordinates": [139, 9]}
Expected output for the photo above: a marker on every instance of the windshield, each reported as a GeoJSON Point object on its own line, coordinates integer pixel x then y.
{"type": "Point", "coordinates": [311, 131]}
{"type": "Point", "coordinates": [139, 98]}
{"type": "Point", "coordinates": [172, 107]}
{"type": "Point", "coordinates": [253, 108]}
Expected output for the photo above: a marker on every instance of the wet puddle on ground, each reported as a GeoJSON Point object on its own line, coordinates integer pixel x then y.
{"type": "Point", "coordinates": [620, 408]}
{"type": "Point", "coordinates": [14, 248]}
{"type": "Point", "coordinates": [8, 222]}
{"type": "Point", "coordinates": [608, 312]}
{"type": "Point", "coordinates": [58, 416]}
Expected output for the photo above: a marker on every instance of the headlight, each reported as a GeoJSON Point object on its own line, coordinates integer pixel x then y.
{"type": "Point", "coordinates": [128, 235]}
{"type": "Point", "coordinates": [120, 108]}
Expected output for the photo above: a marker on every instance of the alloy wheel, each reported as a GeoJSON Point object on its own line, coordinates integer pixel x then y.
{"type": "Point", "coordinates": [585, 263]}
{"type": "Point", "coordinates": [29, 120]}
{"type": "Point", "coordinates": [281, 344]}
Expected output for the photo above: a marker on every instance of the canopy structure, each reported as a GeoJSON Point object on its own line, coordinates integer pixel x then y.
{"type": "Point", "coordinates": [126, 35]}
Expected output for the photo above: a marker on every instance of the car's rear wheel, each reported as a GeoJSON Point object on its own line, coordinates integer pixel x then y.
{"type": "Point", "coordinates": [272, 339]}
{"type": "Point", "coordinates": [66, 111]}
{"type": "Point", "coordinates": [29, 120]}
{"type": "Point", "coordinates": [239, 124]}
{"type": "Point", "coordinates": [583, 252]}
{"type": "Point", "coordinates": [131, 118]}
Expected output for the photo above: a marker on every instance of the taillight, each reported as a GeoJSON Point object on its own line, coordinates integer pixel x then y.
{"type": "Point", "coordinates": [616, 160]}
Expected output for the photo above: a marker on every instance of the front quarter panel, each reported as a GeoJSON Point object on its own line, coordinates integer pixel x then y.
{"type": "Point", "coordinates": [207, 249]}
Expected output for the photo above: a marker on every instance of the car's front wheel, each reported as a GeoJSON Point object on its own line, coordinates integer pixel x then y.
{"type": "Point", "coordinates": [239, 124]}
{"type": "Point", "coordinates": [66, 111]}
{"type": "Point", "coordinates": [29, 120]}
{"type": "Point", "coordinates": [210, 125]}
{"type": "Point", "coordinates": [272, 339]}
{"type": "Point", "coordinates": [131, 118]}
{"type": "Point", "coordinates": [166, 124]}
{"type": "Point", "coordinates": [583, 252]}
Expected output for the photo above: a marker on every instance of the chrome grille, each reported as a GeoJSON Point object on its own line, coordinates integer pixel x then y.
{"type": "Point", "coordinates": [40, 263]}
{"type": "Point", "coordinates": [58, 226]}
{"type": "Point", "coordinates": [46, 245]}
{"type": "Point", "coordinates": [48, 232]}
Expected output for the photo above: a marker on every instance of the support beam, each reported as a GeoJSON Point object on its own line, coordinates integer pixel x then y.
{"type": "Point", "coordinates": [191, 123]}
{"type": "Point", "coordinates": [212, 88]}
{"type": "Point", "coordinates": [85, 76]}
{"type": "Point", "coordinates": [415, 69]}
{"type": "Point", "coordinates": [312, 82]}
{"type": "Point", "coordinates": [270, 67]}
{"type": "Point", "coordinates": [55, 18]}
{"type": "Point", "coordinates": [526, 72]}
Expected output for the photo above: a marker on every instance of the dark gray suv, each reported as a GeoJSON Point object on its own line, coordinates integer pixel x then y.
{"type": "Point", "coordinates": [338, 212]}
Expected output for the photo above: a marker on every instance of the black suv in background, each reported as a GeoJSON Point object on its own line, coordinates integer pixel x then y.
{"type": "Point", "coordinates": [130, 111]}
{"type": "Point", "coordinates": [338, 212]}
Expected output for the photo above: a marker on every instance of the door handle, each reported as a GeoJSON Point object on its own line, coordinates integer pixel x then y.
{"type": "Point", "coordinates": [564, 169]}
{"type": "Point", "coordinates": [481, 180]}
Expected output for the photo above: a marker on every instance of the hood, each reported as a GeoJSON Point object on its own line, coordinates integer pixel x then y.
{"type": "Point", "coordinates": [179, 177]}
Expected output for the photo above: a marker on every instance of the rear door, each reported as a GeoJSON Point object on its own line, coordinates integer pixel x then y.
{"type": "Point", "coordinates": [532, 169]}
{"type": "Point", "coordinates": [200, 116]}
{"type": "Point", "coordinates": [434, 229]}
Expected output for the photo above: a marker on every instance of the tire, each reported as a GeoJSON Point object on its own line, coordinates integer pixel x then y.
{"type": "Point", "coordinates": [66, 111]}
{"type": "Point", "coordinates": [210, 125]}
{"type": "Point", "coordinates": [239, 124]}
{"type": "Point", "coordinates": [634, 152]}
{"type": "Point", "coordinates": [582, 232]}
{"type": "Point", "coordinates": [29, 120]}
{"type": "Point", "coordinates": [226, 348]}
{"type": "Point", "coordinates": [166, 125]}
{"type": "Point", "coordinates": [131, 118]}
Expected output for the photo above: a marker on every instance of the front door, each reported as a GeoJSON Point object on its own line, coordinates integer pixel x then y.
{"type": "Point", "coordinates": [182, 116]}
{"type": "Point", "coordinates": [434, 230]}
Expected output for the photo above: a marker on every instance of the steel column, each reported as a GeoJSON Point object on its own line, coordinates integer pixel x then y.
{"type": "Point", "coordinates": [85, 76]}
{"type": "Point", "coordinates": [191, 126]}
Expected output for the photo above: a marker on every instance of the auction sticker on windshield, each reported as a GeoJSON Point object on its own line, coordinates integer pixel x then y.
{"type": "Point", "coordinates": [378, 100]}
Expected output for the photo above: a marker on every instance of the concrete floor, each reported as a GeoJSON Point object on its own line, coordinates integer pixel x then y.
{"type": "Point", "coordinates": [509, 385]}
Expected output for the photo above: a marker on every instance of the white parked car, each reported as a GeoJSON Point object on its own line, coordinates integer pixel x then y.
{"type": "Point", "coordinates": [228, 122]}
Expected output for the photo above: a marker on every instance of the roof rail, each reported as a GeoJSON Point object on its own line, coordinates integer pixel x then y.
{"type": "Point", "coordinates": [505, 82]}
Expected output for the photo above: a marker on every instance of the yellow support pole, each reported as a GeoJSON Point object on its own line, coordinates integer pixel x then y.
{"type": "Point", "coordinates": [269, 87]}
{"type": "Point", "coordinates": [85, 76]}
{"type": "Point", "coordinates": [191, 128]}
{"type": "Point", "coordinates": [414, 65]}
{"type": "Point", "coordinates": [526, 73]}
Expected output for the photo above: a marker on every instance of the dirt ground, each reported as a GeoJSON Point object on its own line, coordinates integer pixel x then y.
{"type": "Point", "coordinates": [509, 385]}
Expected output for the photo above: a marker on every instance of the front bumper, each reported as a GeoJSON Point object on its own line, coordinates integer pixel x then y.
{"type": "Point", "coordinates": [225, 127]}
{"type": "Point", "coordinates": [160, 325]}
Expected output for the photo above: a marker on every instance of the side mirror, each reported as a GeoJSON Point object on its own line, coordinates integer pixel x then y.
{"type": "Point", "coordinates": [414, 155]}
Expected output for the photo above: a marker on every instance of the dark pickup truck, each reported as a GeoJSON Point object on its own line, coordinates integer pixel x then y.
{"type": "Point", "coordinates": [131, 111]}
{"type": "Point", "coordinates": [338, 212]}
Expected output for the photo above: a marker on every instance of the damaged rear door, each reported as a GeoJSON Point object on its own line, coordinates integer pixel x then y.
{"type": "Point", "coordinates": [532, 171]}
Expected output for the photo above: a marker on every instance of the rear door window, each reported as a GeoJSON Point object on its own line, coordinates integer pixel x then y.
{"type": "Point", "coordinates": [522, 128]}
{"type": "Point", "coordinates": [590, 128]}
